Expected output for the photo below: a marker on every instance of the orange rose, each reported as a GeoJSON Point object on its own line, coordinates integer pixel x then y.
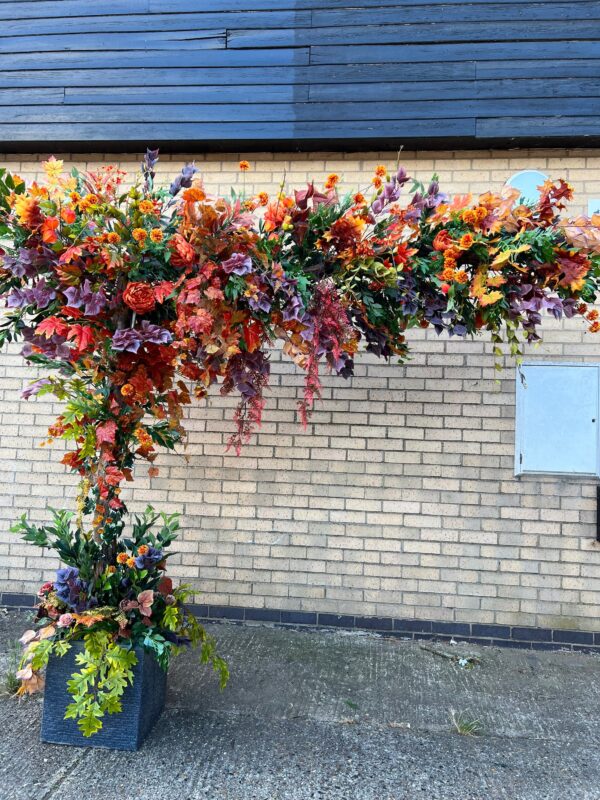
{"type": "Point", "coordinates": [442, 241]}
{"type": "Point", "coordinates": [182, 252]}
{"type": "Point", "coordinates": [139, 297]}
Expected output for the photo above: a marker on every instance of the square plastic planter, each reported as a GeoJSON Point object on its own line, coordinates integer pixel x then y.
{"type": "Point", "coordinates": [142, 705]}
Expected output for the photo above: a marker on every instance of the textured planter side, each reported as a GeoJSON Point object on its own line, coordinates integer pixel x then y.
{"type": "Point", "coordinates": [142, 705]}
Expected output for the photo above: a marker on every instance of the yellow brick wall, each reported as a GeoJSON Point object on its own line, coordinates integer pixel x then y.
{"type": "Point", "coordinates": [398, 500]}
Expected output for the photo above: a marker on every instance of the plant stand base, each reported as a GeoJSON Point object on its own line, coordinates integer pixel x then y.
{"type": "Point", "coordinates": [142, 705]}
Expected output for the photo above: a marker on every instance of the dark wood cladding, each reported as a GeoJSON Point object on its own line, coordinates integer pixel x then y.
{"type": "Point", "coordinates": [298, 73]}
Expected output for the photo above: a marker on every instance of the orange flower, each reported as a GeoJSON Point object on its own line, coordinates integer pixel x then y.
{"type": "Point", "coordinates": [88, 201]}
{"type": "Point", "coordinates": [595, 327]}
{"type": "Point", "coordinates": [139, 234]}
{"type": "Point", "coordinates": [156, 235]}
{"type": "Point", "coordinates": [447, 274]}
{"type": "Point", "coordinates": [449, 263]}
{"type": "Point", "coordinates": [581, 308]}
{"type": "Point", "coordinates": [113, 238]}
{"type": "Point", "coordinates": [127, 390]}
{"type": "Point", "coordinates": [244, 166]}
{"type": "Point", "coordinates": [112, 569]}
{"type": "Point", "coordinates": [263, 198]}
{"type": "Point", "coordinates": [146, 207]}
{"type": "Point", "coordinates": [359, 199]}
{"type": "Point", "coordinates": [461, 276]}
{"type": "Point", "coordinates": [481, 213]}
{"type": "Point", "coordinates": [442, 241]}
{"type": "Point", "coordinates": [377, 182]}
{"type": "Point", "coordinates": [467, 241]}
{"type": "Point", "coordinates": [332, 180]}
{"type": "Point", "coordinates": [182, 252]}
{"type": "Point", "coordinates": [28, 212]}
{"type": "Point", "coordinates": [194, 195]}
{"type": "Point", "coordinates": [380, 170]}
{"type": "Point", "coordinates": [593, 315]}
{"type": "Point", "coordinates": [131, 562]}
{"type": "Point", "coordinates": [469, 216]}
{"type": "Point", "coordinates": [139, 297]}
{"type": "Point", "coordinates": [142, 549]}
{"type": "Point", "coordinates": [122, 558]}
{"type": "Point", "coordinates": [75, 197]}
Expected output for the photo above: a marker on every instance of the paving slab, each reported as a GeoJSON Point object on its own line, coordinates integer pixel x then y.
{"type": "Point", "coordinates": [334, 715]}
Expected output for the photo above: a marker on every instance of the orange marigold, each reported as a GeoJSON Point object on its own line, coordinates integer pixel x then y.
{"type": "Point", "coordinates": [359, 199]}
{"type": "Point", "coordinates": [146, 207]}
{"type": "Point", "coordinates": [593, 315]}
{"type": "Point", "coordinates": [111, 569]}
{"type": "Point", "coordinates": [140, 235]}
{"type": "Point", "coordinates": [377, 182]}
{"type": "Point", "coordinates": [332, 180]}
{"type": "Point", "coordinates": [466, 241]}
{"type": "Point", "coordinates": [127, 390]}
{"type": "Point", "coordinates": [263, 198]}
{"type": "Point", "coordinates": [481, 213]}
{"type": "Point", "coordinates": [131, 562]}
{"type": "Point", "coordinates": [122, 558]}
{"type": "Point", "coordinates": [449, 263]}
{"type": "Point", "coordinates": [156, 235]}
{"type": "Point", "coordinates": [143, 549]}
{"type": "Point", "coordinates": [461, 276]}
{"type": "Point", "coordinates": [380, 170]}
{"type": "Point", "coordinates": [595, 327]}
{"type": "Point", "coordinates": [581, 308]}
{"type": "Point", "coordinates": [244, 166]}
{"type": "Point", "coordinates": [469, 216]}
{"type": "Point", "coordinates": [447, 274]}
{"type": "Point", "coordinates": [113, 237]}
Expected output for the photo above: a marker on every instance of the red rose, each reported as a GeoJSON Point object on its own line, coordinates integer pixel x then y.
{"type": "Point", "coordinates": [442, 241]}
{"type": "Point", "coordinates": [139, 297]}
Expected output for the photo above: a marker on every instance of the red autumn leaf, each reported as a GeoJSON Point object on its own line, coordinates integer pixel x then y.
{"type": "Point", "coordinates": [70, 254]}
{"type": "Point", "coordinates": [163, 290]}
{"type": "Point", "coordinates": [113, 476]}
{"type": "Point", "coordinates": [105, 433]}
{"type": "Point", "coordinates": [49, 227]}
{"type": "Point", "coordinates": [82, 336]}
{"type": "Point", "coordinates": [252, 333]}
{"type": "Point", "coordinates": [69, 311]}
{"type": "Point", "coordinates": [50, 326]}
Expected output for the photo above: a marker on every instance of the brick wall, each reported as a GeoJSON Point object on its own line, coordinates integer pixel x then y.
{"type": "Point", "coordinates": [399, 500]}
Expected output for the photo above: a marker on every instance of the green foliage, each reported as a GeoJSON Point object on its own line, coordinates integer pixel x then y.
{"type": "Point", "coordinates": [97, 689]}
{"type": "Point", "coordinates": [10, 683]}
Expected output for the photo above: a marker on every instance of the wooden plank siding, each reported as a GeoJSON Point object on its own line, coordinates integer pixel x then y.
{"type": "Point", "coordinates": [305, 73]}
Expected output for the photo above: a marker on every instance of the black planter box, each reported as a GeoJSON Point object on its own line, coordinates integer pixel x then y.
{"type": "Point", "coordinates": [142, 705]}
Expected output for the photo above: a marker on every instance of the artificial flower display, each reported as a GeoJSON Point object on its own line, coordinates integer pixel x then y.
{"type": "Point", "coordinates": [134, 302]}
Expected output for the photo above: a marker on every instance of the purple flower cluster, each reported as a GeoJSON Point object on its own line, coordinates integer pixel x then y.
{"type": "Point", "coordinates": [391, 191]}
{"type": "Point", "coordinates": [238, 263]}
{"type": "Point", "coordinates": [39, 295]}
{"type": "Point", "coordinates": [69, 587]}
{"type": "Point", "coordinates": [131, 339]}
{"type": "Point", "coordinates": [92, 302]}
{"type": "Point", "coordinates": [183, 180]}
{"type": "Point", "coordinates": [150, 559]}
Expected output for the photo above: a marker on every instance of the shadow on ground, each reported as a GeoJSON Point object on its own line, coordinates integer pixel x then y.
{"type": "Point", "coordinates": [334, 715]}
